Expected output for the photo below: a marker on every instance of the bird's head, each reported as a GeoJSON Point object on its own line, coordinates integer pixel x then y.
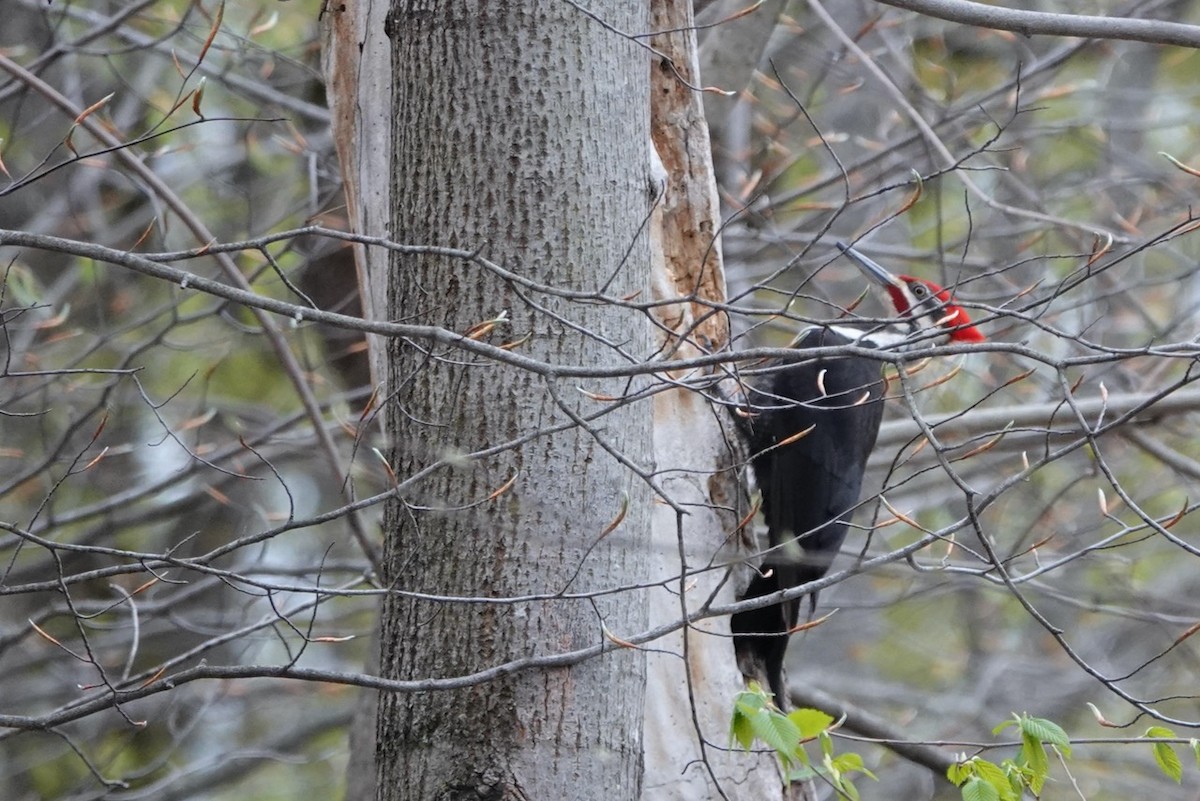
{"type": "Point", "coordinates": [923, 304]}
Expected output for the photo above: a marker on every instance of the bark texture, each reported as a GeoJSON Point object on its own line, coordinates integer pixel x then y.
{"type": "Point", "coordinates": [520, 129]}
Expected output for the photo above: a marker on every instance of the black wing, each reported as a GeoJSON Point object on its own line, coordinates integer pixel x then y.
{"type": "Point", "coordinates": [808, 486]}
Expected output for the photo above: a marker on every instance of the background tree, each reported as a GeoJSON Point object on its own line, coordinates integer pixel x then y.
{"type": "Point", "coordinates": [192, 474]}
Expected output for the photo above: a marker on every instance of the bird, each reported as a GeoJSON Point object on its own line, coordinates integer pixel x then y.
{"type": "Point", "coordinates": [810, 426]}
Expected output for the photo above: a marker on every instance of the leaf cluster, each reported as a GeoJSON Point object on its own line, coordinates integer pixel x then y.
{"type": "Point", "coordinates": [983, 780]}
{"type": "Point", "coordinates": [756, 719]}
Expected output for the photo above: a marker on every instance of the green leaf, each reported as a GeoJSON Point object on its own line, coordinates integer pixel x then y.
{"type": "Point", "coordinates": [747, 705]}
{"type": "Point", "coordinates": [1168, 761]}
{"type": "Point", "coordinates": [1195, 744]}
{"type": "Point", "coordinates": [976, 789]}
{"type": "Point", "coordinates": [1033, 754]}
{"type": "Point", "coordinates": [810, 722]}
{"type": "Point", "coordinates": [1032, 761]}
{"type": "Point", "coordinates": [1018, 778]}
{"type": "Point", "coordinates": [996, 776]}
{"type": "Point", "coordinates": [851, 762]}
{"type": "Point", "coordinates": [1006, 781]}
{"type": "Point", "coordinates": [1047, 731]}
{"type": "Point", "coordinates": [1164, 753]}
{"type": "Point", "coordinates": [1033, 757]}
{"type": "Point", "coordinates": [848, 762]}
{"type": "Point", "coordinates": [1159, 732]}
{"type": "Point", "coordinates": [777, 732]}
{"type": "Point", "coordinates": [750, 701]}
{"type": "Point", "coordinates": [740, 730]}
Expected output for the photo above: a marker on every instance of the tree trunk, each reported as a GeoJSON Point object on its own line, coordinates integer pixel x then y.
{"type": "Point", "coordinates": [520, 129]}
{"type": "Point", "coordinates": [525, 133]}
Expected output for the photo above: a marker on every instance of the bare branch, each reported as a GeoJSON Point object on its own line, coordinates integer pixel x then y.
{"type": "Point", "coordinates": [1043, 23]}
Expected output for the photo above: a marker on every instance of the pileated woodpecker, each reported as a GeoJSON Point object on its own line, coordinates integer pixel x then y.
{"type": "Point", "coordinates": [811, 424]}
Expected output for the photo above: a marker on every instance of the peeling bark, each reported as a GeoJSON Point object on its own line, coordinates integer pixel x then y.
{"type": "Point", "coordinates": [692, 676]}
{"type": "Point", "coordinates": [357, 59]}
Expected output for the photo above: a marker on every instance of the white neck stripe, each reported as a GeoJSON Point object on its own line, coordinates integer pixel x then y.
{"type": "Point", "coordinates": [880, 337]}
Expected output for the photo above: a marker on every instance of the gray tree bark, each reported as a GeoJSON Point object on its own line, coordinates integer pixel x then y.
{"type": "Point", "coordinates": [525, 133]}
{"type": "Point", "coordinates": [521, 129]}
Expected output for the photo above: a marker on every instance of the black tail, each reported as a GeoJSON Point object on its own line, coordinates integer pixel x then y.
{"type": "Point", "coordinates": [760, 636]}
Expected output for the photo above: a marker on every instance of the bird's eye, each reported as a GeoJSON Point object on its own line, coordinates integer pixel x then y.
{"type": "Point", "coordinates": [920, 290]}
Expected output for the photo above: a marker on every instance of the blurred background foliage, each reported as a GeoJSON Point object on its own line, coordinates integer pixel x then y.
{"type": "Point", "coordinates": [1027, 172]}
{"type": "Point", "coordinates": [140, 416]}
